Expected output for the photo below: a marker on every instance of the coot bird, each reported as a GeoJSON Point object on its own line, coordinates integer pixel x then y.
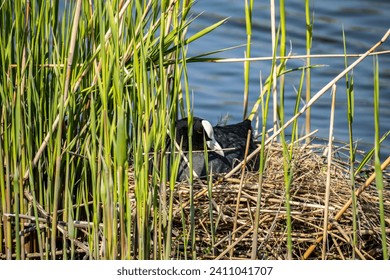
{"type": "Point", "coordinates": [202, 130]}
{"type": "Point", "coordinates": [226, 146]}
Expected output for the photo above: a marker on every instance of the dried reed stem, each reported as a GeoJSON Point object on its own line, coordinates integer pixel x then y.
{"type": "Point", "coordinates": [346, 206]}
{"type": "Point", "coordinates": [327, 191]}
{"type": "Point", "coordinates": [240, 187]}
{"type": "Point", "coordinates": [267, 58]}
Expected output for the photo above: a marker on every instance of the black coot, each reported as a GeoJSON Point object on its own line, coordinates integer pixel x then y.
{"type": "Point", "coordinates": [226, 146]}
{"type": "Point", "coordinates": [202, 130]}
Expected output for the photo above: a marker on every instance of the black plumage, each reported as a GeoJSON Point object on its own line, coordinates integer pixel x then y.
{"type": "Point", "coordinates": [198, 134]}
{"type": "Point", "coordinates": [233, 139]}
{"type": "Point", "coordinates": [226, 146]}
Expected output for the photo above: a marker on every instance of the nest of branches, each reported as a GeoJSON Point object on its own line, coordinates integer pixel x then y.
{"type": "Point", "coordinates": [225, 213]}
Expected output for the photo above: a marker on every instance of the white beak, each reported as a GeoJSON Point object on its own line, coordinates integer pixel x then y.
{"type": "Point", "coordinates": [212, 143]}
{"type": "Point", "coordinates": [214, 146]}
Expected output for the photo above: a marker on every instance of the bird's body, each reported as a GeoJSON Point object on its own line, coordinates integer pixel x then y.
{"type": "Point", "coordinates": [233, 139]}
{"type": "Point", "coordinates": [226, 146]}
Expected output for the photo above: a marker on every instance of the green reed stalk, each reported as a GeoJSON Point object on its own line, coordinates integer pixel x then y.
{"type": "Point", "coordinates": [174, 170]}
{"type": "Point", "coordinates": [287, 155]}
{"type": "Point", "coordinates": [209, 173]}
{"type": "Point", "coordinates": [39, 104]}
{"type": "Point", "coordinates": [191, 177]}
{"type": "Point", "coordinates": [2, 190]}
{"type": "Point", "coordinates": [159, 213]}
{"type": "Point", "coordinates": [282, 16]}
{"type": "Point", "coordinates": [350, 115]}
{"type": "Point", "coordinates": [58, 153]}
{"type": "Point", "coordinates": [274, 77]}
{"type": "Point", "coordinates": [309, 35]}
{"type": "Point", "coordinates": [294, 130]}
{"type": "Point", "coordinates": [70, 129]}
{"type": "Point", "coordinates": [378, 170]}
{"type": "Point", "coordinates": [248, 23]}
{"type": "Point", "coordinates": [167, 219]}
{"type": "Point", "coordinates": [16, 126]}
{"type": "Point", "coordinates": [262, 155]}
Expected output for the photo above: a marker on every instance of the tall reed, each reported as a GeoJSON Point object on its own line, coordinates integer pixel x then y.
{"type": "Point", "coordinates": [89, 90]}
{"type": "Point", "coordinates": [378, 170]}
{"type": "Point", "coordinates": [89, 97]}
{"type": "Point", "coordinates": [248, 24]}
{"type": "Point", "coordinates": [352, 154]}
{"type": "Point", "coordinates": [309, 35]}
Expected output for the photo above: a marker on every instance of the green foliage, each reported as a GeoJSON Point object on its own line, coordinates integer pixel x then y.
{"type": "Point", "coordinates": [89, 95]}
{"type": "Point", "coordinates": [88, 91]}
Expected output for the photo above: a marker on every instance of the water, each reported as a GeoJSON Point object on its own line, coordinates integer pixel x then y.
{"type": "Point", "coordinates": [218, 87]}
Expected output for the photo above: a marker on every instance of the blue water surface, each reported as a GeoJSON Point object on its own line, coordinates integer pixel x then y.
{"type": "Point", "coordinates": [217, 88]}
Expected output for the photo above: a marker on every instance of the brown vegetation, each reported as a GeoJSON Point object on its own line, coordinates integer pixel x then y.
{"type": "Point", "coordinates": [307, 211]}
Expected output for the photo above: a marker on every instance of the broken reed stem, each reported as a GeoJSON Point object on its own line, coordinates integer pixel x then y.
{"type": "Point", "coordinates": [346, 206]}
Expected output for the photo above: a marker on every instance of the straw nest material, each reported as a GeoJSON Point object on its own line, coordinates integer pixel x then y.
{"type": "Point", "coordinates": [232, 224]}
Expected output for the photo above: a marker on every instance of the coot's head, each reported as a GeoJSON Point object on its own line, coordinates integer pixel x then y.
{"type": "Point", "coordinates": [202, 130]}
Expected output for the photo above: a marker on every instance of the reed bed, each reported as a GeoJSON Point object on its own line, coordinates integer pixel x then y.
{"type": "Point", "coordinates": [307, 211]}
{"type": "Point", "coordinates": [213, 233]}
{"type": "Point", "coordinates": [90, 92]}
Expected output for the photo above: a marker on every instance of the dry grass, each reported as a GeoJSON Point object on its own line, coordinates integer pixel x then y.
{"type": "Point", "coordinates": [307, 206]}
{"type": "Point", "coordinates": [307, 200]}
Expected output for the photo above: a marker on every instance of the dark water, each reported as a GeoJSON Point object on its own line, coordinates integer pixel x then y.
{"type": "Point", "coordinates": [218, 87]}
